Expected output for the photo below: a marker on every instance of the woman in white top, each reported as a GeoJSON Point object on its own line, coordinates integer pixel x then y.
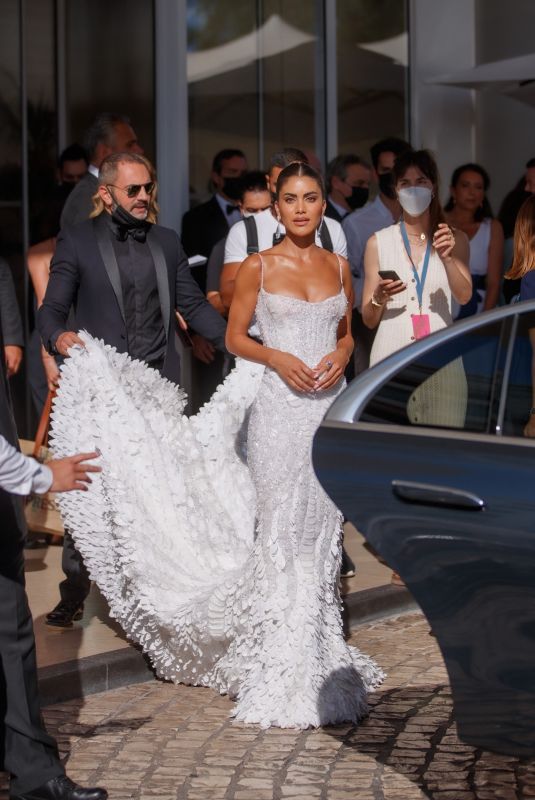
{"type": "Point", "coordinates": [468, 210]}
{"type": "Point", "coordinates": [428, 265]}
{"type": "Point", "coordinates": [429, 259]}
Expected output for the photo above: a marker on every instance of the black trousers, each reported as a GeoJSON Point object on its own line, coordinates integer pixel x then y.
{"type": "Point", "coordinates": [363, 338]}
{"type": "Point", "coordinates": [27, 752]}
{"type": "Point", "coordinates": [77, 583]}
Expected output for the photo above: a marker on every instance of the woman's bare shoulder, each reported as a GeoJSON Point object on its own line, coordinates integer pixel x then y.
{"type": "Point", "coordinates": [250, 268]}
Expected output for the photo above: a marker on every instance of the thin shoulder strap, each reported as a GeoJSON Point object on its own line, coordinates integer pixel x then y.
{"type": "Point", "coordinates": [261, 270]}
{"type": "Point", "coordinates": [340, 266]}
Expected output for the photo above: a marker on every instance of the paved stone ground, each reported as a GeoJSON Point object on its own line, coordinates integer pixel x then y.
{"type": "Point", "coordinates": [155, 740]}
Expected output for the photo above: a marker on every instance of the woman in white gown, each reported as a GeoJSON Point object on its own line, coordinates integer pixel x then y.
{"type": "Point", "coordinates": [225, 572]}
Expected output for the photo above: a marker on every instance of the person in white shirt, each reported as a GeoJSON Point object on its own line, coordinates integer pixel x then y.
{"type": "Point", "coordinates": [363, 223]}
{"type": "Point", "coordinates": [269, 229]}
{"type": "Point", "coordinates": [28, 753]}
{"type": "Point", "coordinates": [22, 475]}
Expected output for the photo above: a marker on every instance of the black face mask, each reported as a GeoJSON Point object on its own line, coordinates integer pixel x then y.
{"type": "Point", "coordinates": [386, 185]}
{"type": "Point", "coordinates": [232, 187]}
{"type": "Point", "coordinates": [127, 220]}
{"type": "Point", "coordinates": [358, 197]}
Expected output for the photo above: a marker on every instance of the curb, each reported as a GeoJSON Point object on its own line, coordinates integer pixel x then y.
{"type": "Point", "coordinates": [74, 679]}
{"type": "Point", "coordinates": [377, 603]}
{"type": "Point", "coordinates": [70, 680]}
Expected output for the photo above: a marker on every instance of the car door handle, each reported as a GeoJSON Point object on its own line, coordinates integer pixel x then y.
{"type": "Point", "coordinates": [430, 495]}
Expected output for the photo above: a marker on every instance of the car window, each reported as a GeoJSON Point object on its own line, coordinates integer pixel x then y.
{"type": "Point", "coordinates": [453, 385]}
{"type": "Point", "coordinates": [515, 418]}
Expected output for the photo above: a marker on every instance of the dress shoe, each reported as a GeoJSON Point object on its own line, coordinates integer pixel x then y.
{"type": "Point", "coordinates": [62, 788]}
{"type": "Point", "coordinates": [347, 569]}
{"type": "Point", "coordinates": [65, 613]}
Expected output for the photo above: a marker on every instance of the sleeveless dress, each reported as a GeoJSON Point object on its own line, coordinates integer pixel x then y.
{"type": "Point", "coordinates": [211, 538]}
{"type": "Point", "coordinates": [479, 265]}
{"type": "Point", "coordinates": [442, 398]}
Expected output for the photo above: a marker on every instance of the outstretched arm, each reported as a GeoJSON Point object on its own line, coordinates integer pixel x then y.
{"type": "Point", "coordinates": [60, 295]}
{"type": "Point", "coordinates": [21, 475]}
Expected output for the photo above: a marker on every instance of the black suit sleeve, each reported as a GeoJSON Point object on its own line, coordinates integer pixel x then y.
{"type": "Point", "coordinates": [60, 293]}
{"type": "Point", "coordinates": [12, 329]}
{"type": "Point", "coordinates": [189, 236]}
{"type": "Point", "coordinates": [194, 306]}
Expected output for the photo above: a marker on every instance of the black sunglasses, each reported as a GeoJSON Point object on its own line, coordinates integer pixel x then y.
{"type": "Point", "coordinates": [134, 188]}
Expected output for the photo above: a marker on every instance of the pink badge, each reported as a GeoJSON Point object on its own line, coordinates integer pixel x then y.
{"type": "Point", "coordinates": [420, 325]}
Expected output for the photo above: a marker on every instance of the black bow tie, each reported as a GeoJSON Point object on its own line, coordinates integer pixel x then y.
{"type": "Point", "coordinates": [139, 234]}
{"type": "Point", "coordinates": [231, 208]}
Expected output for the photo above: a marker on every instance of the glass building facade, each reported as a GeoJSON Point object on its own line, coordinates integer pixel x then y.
{"type": "Point", "coordinates": [194, 76]}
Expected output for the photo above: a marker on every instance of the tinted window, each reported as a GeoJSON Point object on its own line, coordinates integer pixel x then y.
{"type": "Point", "coordinates": [520, 396]}
{"type": "Point", "coordinates": [454, 385]}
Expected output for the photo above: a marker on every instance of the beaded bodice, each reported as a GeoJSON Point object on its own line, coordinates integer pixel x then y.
{"type": "Point", "coordinates": [307, 330]}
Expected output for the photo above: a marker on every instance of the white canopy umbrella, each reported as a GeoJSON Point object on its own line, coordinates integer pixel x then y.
{"type": "Point", "coordinates": [514, 77]}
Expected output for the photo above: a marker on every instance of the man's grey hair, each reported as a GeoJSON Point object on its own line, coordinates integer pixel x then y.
{"type": "Point", "coordinates": [337, 168]}
{"type": "Point", "coordinates": [102, 130]}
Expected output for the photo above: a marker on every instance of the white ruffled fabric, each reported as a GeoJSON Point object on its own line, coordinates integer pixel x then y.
{"type": "Point", "coordinates": [167, 530]}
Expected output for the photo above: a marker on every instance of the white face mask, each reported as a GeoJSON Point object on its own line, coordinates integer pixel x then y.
{"type": "Point", "coordinates": [415, 199]}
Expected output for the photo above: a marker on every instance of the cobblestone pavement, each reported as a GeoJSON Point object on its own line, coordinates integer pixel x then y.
{"type": "Point", "coordinates": [155, 740]}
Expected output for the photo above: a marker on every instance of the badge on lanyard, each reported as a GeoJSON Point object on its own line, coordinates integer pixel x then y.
{"type": "Point", "coordinates": [421, 325]}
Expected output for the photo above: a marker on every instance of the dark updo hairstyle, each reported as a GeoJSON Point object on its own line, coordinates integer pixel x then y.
{"type": "Point", "coordinates": [298, 169]}
{"type": "Point", "coordinates": [484, 209]}
{"type": "Point", "coordinates": [424, 161]}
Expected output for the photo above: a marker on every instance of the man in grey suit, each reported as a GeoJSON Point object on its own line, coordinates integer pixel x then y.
{"type": "Point", "coordinates": [109, 133]}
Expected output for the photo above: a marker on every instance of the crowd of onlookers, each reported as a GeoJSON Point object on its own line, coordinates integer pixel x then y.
{"type": "Point", "coordinates": [239, 218]}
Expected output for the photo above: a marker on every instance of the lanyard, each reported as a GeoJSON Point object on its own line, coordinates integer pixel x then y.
{"type": "Point", "coordinates": [420, 282]}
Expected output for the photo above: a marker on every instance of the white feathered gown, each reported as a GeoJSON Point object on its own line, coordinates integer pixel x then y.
{"type": "Point", "coordinates": [225, 572]}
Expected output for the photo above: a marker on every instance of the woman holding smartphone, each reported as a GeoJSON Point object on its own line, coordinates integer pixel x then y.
{"type": "Point", "coordinates": [413, 268]}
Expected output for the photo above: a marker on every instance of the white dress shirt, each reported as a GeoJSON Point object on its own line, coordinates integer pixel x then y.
{"type": "Point", "coordinates": [267, 225]}
{"type": "Point", "coordinates": [358, 227]}
{"type": "Point", "coordinates": [20, 474]}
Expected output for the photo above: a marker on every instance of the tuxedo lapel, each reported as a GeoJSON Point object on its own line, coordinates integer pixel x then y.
{"type": "Point", "coordinates": [105, 245]}
{"type": "Point", "coordinates": [162, 275]}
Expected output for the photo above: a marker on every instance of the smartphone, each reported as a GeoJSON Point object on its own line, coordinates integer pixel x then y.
{"type": "Point", "coordinates": [389, 275]}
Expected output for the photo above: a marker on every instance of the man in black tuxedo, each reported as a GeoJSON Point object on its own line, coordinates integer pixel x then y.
{"type": "Point", "coordinates": [348, 185]}
{"type": "Point", "coordinates": [27, 752]}
{"type": "Point", "coordinates": [108, 133]}
{"type": "Point", "coordinates": [125, 276]}
{"type": "Point", "coordinates": [204, 225]}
